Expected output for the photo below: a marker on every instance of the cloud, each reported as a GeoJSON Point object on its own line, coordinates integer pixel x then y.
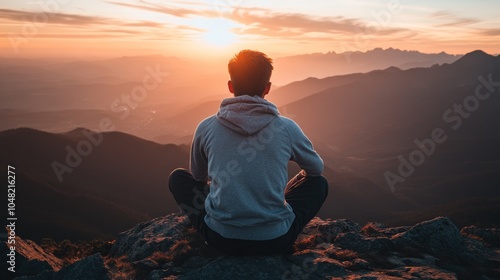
{"type": "Point", "coordinates": [108, 34]}
{"type": "Point", "coordinates": [285, 25]}
{"type": "Point", "coordinates": [490, 32]}
{"type": "Point", "coordinates": [145, 24]}
{"type": "Point", "coordinates": [59, 18]}
{"type": "Point", "coordinates": [177, 12]}
{"type": "Point", "coordinates": [267, 23]}
{"type": "Point", "coordinates": [69, 19]}
{"type": "Point", "coordinates": [302, 23]}
{"type": "Point", "coordinates": [472, 30]}
{"type": "Point", "coordinates": [88, 26]}
{"type": "Point", "coordinates": [451, 20]}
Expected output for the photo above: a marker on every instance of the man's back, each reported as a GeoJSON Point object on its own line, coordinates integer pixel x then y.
{"type": "Point", "coordinates": [245, 149]}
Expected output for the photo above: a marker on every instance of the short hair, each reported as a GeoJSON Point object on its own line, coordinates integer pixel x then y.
{"type": "Point", "coordinates": [250, 72]}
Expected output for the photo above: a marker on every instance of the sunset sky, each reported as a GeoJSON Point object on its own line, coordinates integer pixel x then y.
{"type": "Point", "coordinates": [218, 27]}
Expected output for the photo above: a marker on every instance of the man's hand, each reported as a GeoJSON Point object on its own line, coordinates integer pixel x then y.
{"type": "Point", "coordinates": [299, 177]}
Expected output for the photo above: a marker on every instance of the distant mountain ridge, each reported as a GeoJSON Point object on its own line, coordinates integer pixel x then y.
{"type": "Point", "coordinates": [321, 65]}
{"type": "Point", "coordinates": [122, 181]}
{"type": "Point", "coordinates": [368, 122]}
{"type": "Point", "coordinates": [59, 94]}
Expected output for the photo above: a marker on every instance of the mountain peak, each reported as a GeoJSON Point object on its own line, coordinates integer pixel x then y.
{"type": "Point", "coordinates": [474, 57]}
{"type": "Point", "coordinates": [168, 248]}
{"type": "Point", "coordinates": [393, 69]}
{"type": "Point", "coordinates": [477, 53]}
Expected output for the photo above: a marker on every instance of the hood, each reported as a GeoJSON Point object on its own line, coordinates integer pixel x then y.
{"type": "Point", "coordinates": [246, 114]}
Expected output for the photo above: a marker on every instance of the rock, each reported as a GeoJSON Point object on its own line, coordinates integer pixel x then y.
{"type": "Point", "coordinates": [430, 273]}
{"type": "Point", "coordinates": [195, 262]}
{"type": "Point", "coordinates": [89, 268]}
{"type": "Point", "coordinates": [145, 265]}
{"type": "Point", "coordinates": [374, 276]}
{"type": "Point", "coordinates": [358, 243]}
{"type": "Point", "coordinates": [159, 274]}
{"type": "Point", "coordinates": [310, 264]}
{"type": "Point", "coordinates": [396, 261]}
{"type": "Point", "coordinates": [227, 267]}
{"type": "Point", "coordinates": [327, 267]}
{"type": "Point", "coordinates": [379, 230]}
{"type": "Point", "coordinates": [167, 248]}
{"type": "Point", "coordinates": [424, 273]}
{"type": "Point", "coordinates": [440, 238]}
{"type": "Point", "coordinates": [489, 236]}
{"type": "Point", "coordinates": [46, 275]}
{"type": "Point", "coordinates": [32, 267]}
{"type": "Point", "coordinates": [146, 238]}
{"type": "Point", "coordinates": [327, 230]}
{"type": "Point", "coordinates": [425, 260]}
{"type": "Point", "coordinates": [357, 264]}
{"type": "Point", "coordinates": [30, 259]}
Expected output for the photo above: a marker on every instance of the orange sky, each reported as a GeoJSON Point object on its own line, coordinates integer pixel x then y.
{"type": "Point", "coordinates": [216, 28]}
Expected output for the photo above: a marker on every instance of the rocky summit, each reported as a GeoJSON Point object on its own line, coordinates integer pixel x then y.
{"type": "Point", "coordinates": [167, 248]}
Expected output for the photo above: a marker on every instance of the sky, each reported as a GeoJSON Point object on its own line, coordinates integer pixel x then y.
{"type": "Point", "coordinates": [216, 28]}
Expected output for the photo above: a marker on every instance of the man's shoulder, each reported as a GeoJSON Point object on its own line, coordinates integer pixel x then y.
{"type": "Point", "coordinates": [287, 122]}
{"type": "Point", "coordinates": [290, 125]}
{"type": "Point", "coordinates": [206, 122]}
{"type": "Point", "coordinates": [208, 119]}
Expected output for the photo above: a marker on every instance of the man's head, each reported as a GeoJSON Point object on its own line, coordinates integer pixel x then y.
{"type": "Point", "coordinates": [250, 73]}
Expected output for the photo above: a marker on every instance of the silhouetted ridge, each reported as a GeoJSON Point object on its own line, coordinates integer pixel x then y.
{"type": "Point", "coordinates": [21, 130]}
{"type": "Point", "coordinates": [475, 58]}
{"type": "Point", "coordinates": [76, 132]}
{"type": "Point", "coordinates": [24, 136]}
{"type": "Point", "coordinates": [393, 69]}
{"type": "Point", "coordinates": [77, 176]}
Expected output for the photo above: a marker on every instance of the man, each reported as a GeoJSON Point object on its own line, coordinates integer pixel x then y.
{"type": "Point", "coordinates": [236, 193]}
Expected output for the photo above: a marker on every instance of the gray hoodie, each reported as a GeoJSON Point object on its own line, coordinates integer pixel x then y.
{"type": "Point", "coordinates": [244, 151]}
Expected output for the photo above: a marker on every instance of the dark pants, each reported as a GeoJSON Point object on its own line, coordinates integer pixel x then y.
{"type": "Point", "coordinates": [304, 194]}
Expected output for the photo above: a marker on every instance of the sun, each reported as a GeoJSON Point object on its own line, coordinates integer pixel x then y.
{"type": "Point", "coordinates": [219, 37]}
{"type": "Point", "coordinates": [217, 32]}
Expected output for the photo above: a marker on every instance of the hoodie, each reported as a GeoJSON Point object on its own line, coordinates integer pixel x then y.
{"type": "Point", "coordinates": [243, 151]}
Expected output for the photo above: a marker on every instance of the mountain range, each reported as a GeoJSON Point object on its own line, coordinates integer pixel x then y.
{"type": "Point", "coordinates": [122, 182]}
{"type": "Point", "coordinates": [322, 65]}
{"type": "Point", "coordinates": [400, 146]}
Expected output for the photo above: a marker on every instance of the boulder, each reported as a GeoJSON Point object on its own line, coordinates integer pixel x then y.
{"type": "Point", "coordinates": [360, 244]}
{"type": "Point", "coordinates": [146, 238]}
{"type": "Point", "coordinates": [30, 259]}
{"type": "Point", "coordinates": [440, 238]}
{"type": "Point", "coordinates": [489, 236]}
{"type": "Point", "coordinates": [89, 268]}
